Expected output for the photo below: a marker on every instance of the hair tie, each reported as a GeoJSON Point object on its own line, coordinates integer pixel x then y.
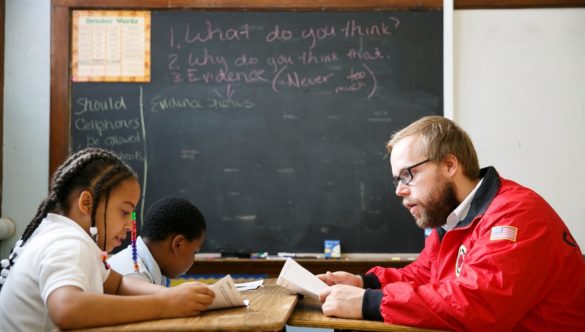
{"type": "Point", "coordinates": [93, 231]}
{"type": "Point", "coordinates": [105, 260]}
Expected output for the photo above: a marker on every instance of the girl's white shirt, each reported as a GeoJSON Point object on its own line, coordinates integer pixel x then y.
{"type": "Point", "coordinates": [59, 253]}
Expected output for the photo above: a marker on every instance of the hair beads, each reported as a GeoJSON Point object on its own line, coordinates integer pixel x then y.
{"type": "Point", "coordinates": [105, 260]}
{"type": "Point", "coordinates": [133, 239]}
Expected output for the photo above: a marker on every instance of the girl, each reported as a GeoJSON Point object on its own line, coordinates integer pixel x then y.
{"type": "Point", "coordinates": [57, 274]}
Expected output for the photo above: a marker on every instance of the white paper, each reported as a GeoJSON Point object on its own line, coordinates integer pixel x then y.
{"type": "Point", "coordinates": [244, 286]}
{"type": "Point", "coordinates": [226, 294]}
{"type": "Point", "coordinates": [299, 280]}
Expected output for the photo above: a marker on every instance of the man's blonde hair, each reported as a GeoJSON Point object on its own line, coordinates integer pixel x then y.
{"type": "Point", "coordinates": [439, 137]}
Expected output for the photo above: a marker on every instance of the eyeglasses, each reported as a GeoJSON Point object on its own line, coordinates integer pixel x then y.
{"type": "Point", "coordinates": [405, 176]}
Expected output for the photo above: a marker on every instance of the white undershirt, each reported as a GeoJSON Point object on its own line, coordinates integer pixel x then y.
{"type": "Point", "coordinates": [461, 211]}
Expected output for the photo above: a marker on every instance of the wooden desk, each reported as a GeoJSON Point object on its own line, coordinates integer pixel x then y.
{"type": "Point", "coordinates": [308, 314]}
{"type": "Point", "coordinates": [270, 307]}
{"type": "Point", "coordinates": [271, 268]}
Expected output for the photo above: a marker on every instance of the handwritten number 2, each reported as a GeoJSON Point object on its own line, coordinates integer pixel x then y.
{"type": "Point", "coordinates": [173, 61]}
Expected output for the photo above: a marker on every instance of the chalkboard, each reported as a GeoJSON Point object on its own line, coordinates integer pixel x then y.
{"type": "Point", "coordinates": [274, 123]}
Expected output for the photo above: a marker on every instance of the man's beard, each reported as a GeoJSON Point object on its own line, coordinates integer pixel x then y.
{"type": "Point", "coordinates": [438, 206]}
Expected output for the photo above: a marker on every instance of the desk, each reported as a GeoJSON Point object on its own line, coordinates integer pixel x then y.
{"type": "Point", "coordinates": [308, 314]}
{"type": "Point", "coordinates": [271, 268]}
{"type": "Point", "coordinates": [270, 306]}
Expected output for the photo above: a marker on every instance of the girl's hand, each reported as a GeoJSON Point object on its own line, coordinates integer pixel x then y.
{"type": "Point", "coordinates": [186, 299]}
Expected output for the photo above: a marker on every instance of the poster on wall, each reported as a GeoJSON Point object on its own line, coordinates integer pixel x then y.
{"type": "Point", "coordinates": [110, 46]}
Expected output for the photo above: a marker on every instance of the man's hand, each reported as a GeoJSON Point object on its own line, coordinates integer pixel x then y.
{"type": "Point", "coordinates": [342, 301]}
{"type": "Point", "coordinates": [341, 277]}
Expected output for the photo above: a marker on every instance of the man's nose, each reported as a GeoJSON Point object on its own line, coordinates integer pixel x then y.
{"type": "Point", "coordinates": [402, 190]}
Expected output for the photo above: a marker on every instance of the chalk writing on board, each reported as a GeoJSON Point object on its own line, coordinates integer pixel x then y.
{"type": "Point", "coordinates": [343, 71]}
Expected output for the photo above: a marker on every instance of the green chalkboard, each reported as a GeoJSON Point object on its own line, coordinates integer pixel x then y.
{"type": "Point", "coordinates": [274, 123]}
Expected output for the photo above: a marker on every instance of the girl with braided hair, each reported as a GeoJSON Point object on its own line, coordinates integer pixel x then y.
{"type": "Point", "coordinates": [57, 273]}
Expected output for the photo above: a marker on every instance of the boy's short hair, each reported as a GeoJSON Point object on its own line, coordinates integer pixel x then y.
{"type": "Point", "coordinates": [171, 216]}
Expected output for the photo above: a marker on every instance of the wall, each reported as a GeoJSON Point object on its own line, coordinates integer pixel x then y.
{"type": "Point", "coordinates": [26, 111]}
{"type": "Point", "coordinates": [519, 91]}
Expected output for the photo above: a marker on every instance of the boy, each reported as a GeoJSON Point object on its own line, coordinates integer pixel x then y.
{"type": "Point", "coordinates": [172, 233]}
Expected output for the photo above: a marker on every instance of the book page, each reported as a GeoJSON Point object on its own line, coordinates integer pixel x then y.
{"type": "Point", "coordinates": [226, 294]}
{"type": "Point", "coordinates": [299, 280]}
{"type": "Point", "coordinates": [251, 285]}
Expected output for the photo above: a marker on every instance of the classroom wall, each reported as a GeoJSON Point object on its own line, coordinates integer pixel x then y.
{"type": "Point", "coordinates": [519, 91]}
{"type": "Point", "coordinates": [26, 112]}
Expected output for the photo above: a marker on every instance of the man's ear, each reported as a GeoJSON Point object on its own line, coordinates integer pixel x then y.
{"type": "Point", "coordinates": [177, 242]}
{"type": "Point", "coordinates": [85, 202]}
{"type": "Point", "coordinates": [450, 165]}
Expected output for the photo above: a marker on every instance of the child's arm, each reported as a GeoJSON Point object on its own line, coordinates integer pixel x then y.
{"type": "Point", "coordinates": [69, 306]}
{"type": "Point", "coordinates": [121, 285]}
{"type": "Point", "coordinates": [117, 284]}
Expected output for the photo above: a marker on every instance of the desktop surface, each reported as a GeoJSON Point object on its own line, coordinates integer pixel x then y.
{"type": "Point", "coordinates": [308, 313]}
{"type": "Point", "coordinates": [269, 308]}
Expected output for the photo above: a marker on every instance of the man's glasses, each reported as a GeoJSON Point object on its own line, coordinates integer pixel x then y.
{"type": "Point", "coordinates": [405, 176]}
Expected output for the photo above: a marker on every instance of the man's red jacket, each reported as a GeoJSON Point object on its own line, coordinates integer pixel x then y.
{"type": "Point", "coordinates": [510, 265]}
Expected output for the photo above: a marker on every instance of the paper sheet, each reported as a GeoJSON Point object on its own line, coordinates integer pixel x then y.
{"type": "Point", "coordinates": [299, 280]}
{"type": "Point", "coordinates": [244, 286]}
{"type": "Point", "coordinates": [226, 294]}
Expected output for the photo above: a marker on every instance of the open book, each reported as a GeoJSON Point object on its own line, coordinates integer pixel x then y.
{"type": "Point", "coordinates": [226, 294]}
{"type": "Point", "coordinates": [297, 279]}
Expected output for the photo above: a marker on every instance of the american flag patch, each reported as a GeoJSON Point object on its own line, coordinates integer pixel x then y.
{"type": "Point", "coordinates": [503, 233]}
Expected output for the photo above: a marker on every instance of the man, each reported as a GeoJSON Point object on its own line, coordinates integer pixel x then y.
{"type": "Point", "coordinates": [499, 258]}
{"type": "Point", "coordinates": [172, 233]}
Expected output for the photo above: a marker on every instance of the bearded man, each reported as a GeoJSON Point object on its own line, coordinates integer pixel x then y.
{"type": "Point", "coordinates": [498, 258]}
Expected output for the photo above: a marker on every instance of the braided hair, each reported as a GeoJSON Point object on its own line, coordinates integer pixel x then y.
{"type": "Point", "coordinates": [92, 169]}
